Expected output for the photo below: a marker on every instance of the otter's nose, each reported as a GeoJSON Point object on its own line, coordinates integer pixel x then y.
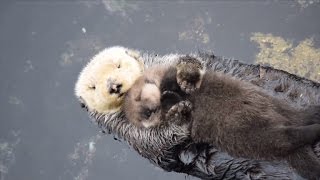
{"type": "Point", "coordinates": [113, 87]}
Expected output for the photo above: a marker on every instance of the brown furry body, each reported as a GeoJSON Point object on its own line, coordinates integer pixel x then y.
{"type": "Point", "coordinates": [243, 120]}
{"type": "Point", "coordinates": [246, 122]}
{"type": "Point", "coordinates": [233, 115]}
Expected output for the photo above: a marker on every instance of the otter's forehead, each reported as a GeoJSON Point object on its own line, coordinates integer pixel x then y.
{"type": "Point", "coordinates": [150, 92]}
{"type": "Point", "coordinates": [116, 54]}
{"type": "Point", "coordinates": [106, 63]}
{"type": "Point", "coordinates": [110, 56]}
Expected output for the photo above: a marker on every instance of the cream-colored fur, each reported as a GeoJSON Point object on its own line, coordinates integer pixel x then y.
{"type": "Point", "coordinates": [121, 64]}
{"type": "Point", "coordinates": [150, 92]}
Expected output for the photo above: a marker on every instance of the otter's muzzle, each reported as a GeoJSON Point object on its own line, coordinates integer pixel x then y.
{"type": "Point", "coordinates": [113, 87]}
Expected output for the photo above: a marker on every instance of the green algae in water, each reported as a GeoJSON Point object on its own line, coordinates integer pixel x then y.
{"type": "Point", "coordinates": [302, 59]}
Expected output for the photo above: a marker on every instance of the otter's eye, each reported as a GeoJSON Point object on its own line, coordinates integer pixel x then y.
{"type": "Point", "coordinates": [93, 87]}
{"type": "Point", "coordinates": [82, 105]}
{"type": "Point", "coordinates": [119, 66]}
{"type": "Point", "coordinates": [148, 112]}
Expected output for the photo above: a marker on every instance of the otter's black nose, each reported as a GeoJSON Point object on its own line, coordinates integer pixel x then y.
{"type": "Point", "coordinates": [114, 88]}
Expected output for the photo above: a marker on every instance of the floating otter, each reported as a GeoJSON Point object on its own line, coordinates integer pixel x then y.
{"type": "Point", "coordinates": [166, 147]}
{"type": "Point", "coordinates": [233, 115]}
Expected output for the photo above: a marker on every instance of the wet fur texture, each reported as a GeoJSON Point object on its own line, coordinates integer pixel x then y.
{"type": "Point", "coordinates": [235, 116]}
{"type": "Point", "coordinates": [166, 147]}
{"type": "Point", "coordinates": [246, 122]}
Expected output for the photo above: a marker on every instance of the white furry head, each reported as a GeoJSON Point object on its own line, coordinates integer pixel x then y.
{"type": "Point", "coordinates": [107, 77]}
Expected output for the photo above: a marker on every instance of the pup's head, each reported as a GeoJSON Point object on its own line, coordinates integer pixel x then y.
{"type": "Point", "coordinates": [142, 103]}
{"type": "Point", "coordinates": [103, 82]}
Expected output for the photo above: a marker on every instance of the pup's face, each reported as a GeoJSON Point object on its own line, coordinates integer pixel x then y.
{"type": "Point", "coordinates": [142, 104]}
{"type": "Point", "coordinates": [103, 83]}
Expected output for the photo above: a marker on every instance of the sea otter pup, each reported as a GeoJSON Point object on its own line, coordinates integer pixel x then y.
{"type": "Point", "coordinates": [233, 115]}
{"type": "Point", "coordinates": [145, 101]}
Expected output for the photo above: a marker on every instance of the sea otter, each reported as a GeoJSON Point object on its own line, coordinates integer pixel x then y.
{"type": "Point", "coordinates": [233, 115]}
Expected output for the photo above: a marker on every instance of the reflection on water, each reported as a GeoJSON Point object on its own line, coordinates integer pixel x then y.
{"type": "Point", "coordinates": [195, 30]}
{"type": "Point", "coordinates": [306, 3]}
{"type": "Point", "coordinates": [81, 159]}
{"type": "Point", "coordinates": [7, 152]}
{"type": "Point", "coordinates": [122, 7]}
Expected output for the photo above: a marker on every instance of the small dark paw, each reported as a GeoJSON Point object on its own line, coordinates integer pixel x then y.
{"type": "Point", "coordinates": [184, 106]}
{"type": "Point", "coordinates": [189, 76]}
{"type": "Point", "coordinates": [179, 110]}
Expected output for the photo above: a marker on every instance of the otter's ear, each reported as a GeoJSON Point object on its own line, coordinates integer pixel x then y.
{"type": "Point", "coordinates": [134, 54]}
{"type": "Point", "coordinates": [82, 103]}
{"type": "Point", "coordinates": [137, 56]}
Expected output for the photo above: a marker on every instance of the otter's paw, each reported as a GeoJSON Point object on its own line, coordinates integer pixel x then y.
{"type": "Point", "coordinates": [170, 95]}
{"type": "Point", "coordinates": [179, 111]}
{"type": "Point", "coordinates": [187, 87]}
{"type": "Point", "coordinates": [189, 74]}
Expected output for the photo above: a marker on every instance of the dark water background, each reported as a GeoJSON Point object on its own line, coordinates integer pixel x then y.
{"type": "Point", "coordinates": [44, 134]}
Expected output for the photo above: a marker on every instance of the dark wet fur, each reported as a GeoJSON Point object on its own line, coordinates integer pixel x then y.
{"type": "Point", "coordinates": [169, 83]}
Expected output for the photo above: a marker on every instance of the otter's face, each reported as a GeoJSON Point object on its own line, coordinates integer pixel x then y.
{"type": "Point", "coordinates": [142, 104]}
{"type": "Point", "coordinates": [103, 83]}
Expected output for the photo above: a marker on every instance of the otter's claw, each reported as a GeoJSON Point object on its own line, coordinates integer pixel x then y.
{"type": "Point", "coordinates": [170, 93]}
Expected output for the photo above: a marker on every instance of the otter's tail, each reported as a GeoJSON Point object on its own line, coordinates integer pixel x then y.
{"type": "Point", "coordinates": [306, 163]}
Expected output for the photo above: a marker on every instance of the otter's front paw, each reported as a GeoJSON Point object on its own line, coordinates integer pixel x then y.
{"type": "Point", "coordinates": [188, 87]}
{"type": "Point", "coordinates": [189, 74]}
{"type": "Point", "coordinates": [179, 111]}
